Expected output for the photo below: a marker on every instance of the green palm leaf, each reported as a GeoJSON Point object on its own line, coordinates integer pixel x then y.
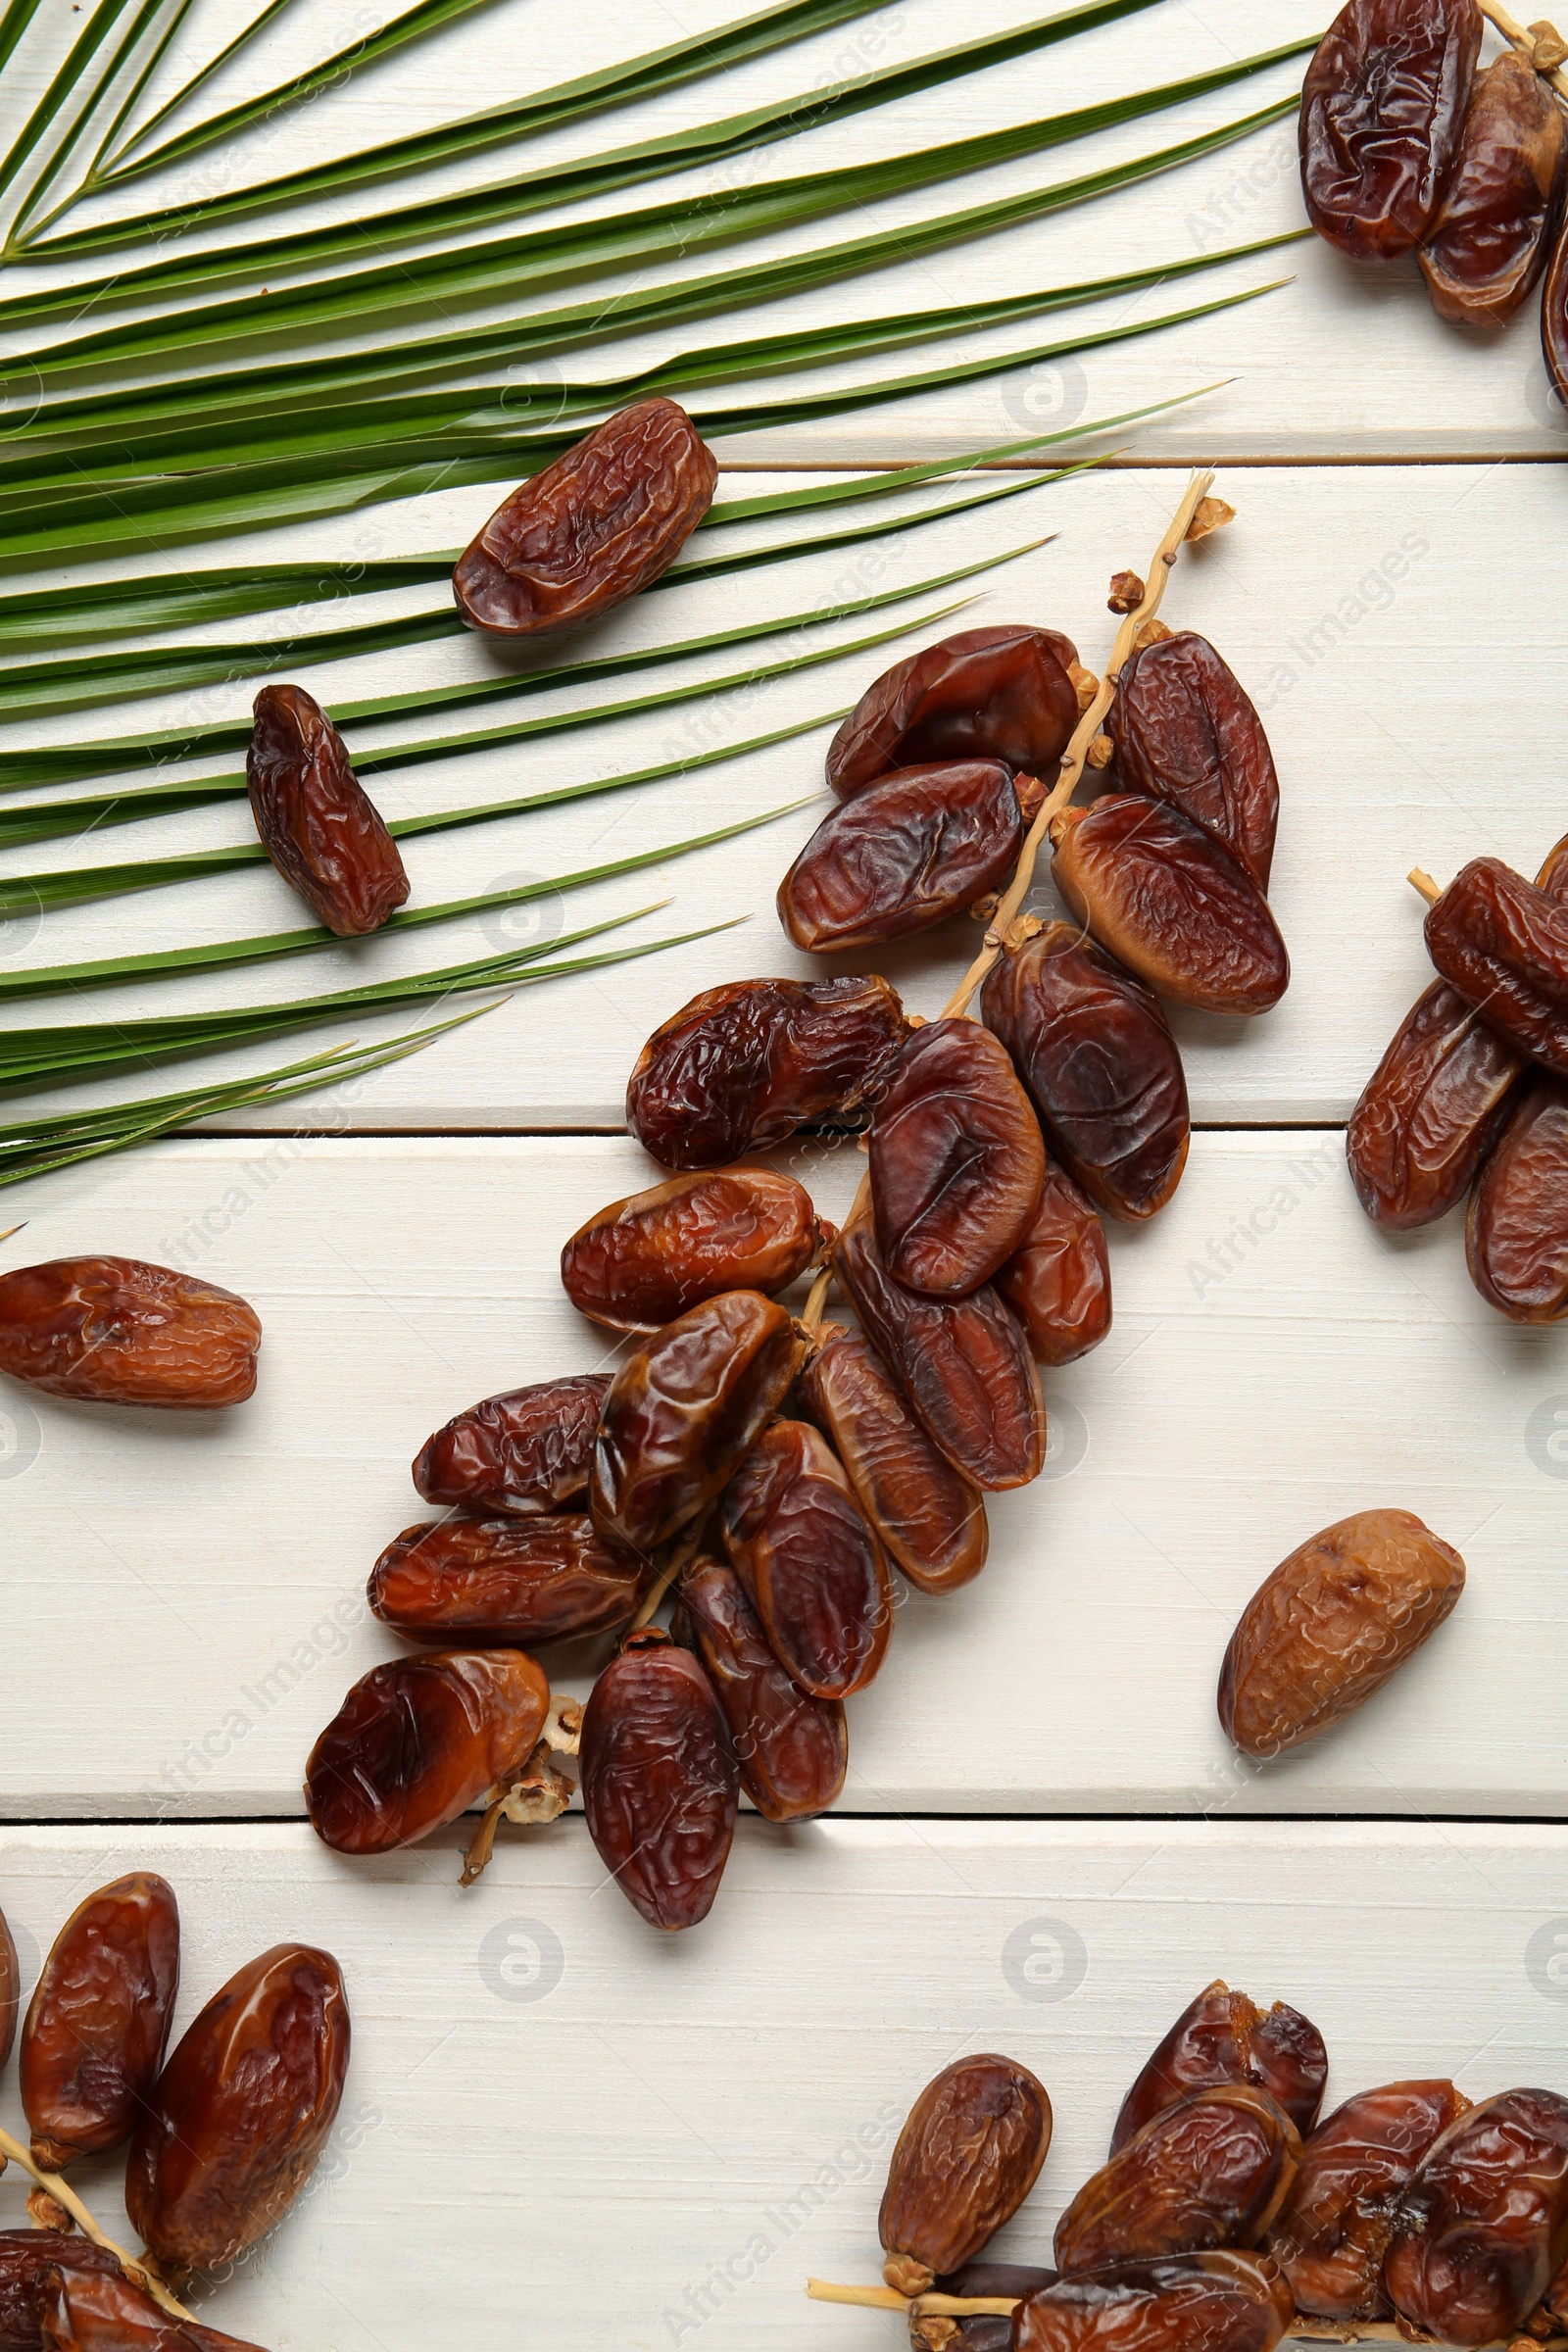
{"type": "Point", "coordinates": [14, 24]}
{"type": "Point", "coordinates": [75, 82]}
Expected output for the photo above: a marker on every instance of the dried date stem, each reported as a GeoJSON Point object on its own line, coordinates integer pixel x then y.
{"type": "Point", "coordinates": [973, 2307]}
{"type": "Point", "coordinates": [1422, 881]}
{"type": "Point", "coordinates": [1541, 44]}
{"type": "Point", "coordinates": [817, 1301]}
{"type": "Point", "coordinates": [136, 2269]}
{"type": "Point", "coordinates": [680, 1560]}
{"type": "Point", "coordinates": [538, 1795]}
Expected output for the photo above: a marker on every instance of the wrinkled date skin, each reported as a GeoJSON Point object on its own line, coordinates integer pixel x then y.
{"type": "Point", "coordinates": [1383, 112]}
{"type": "Point", "coordinates": [419, 1740]}
{"type": "Point", "coordinates": [684, 1411]}
{"type": "Point", "coordinates": [591, 529]}
{"type": "Point", "coordinates": [1212, 2171]}
{"type": "Point", "coordinates": [1516, 1236]}
{"type": "Point", "coordinates": [1324, 1633]}
{"type": "Point", "coordinates": [738, 1069]}
{"type": "Point", "coordinates": [1002, 694]}
{"type": "Point", "coordinates": [1331, 2238]}
{"type": "Point", "coordinates": [10, 1991]}
{"type": "Point", "coordinates": [1222, 2037]}
{"type": "Point", "coordinates": [1166, 900]}
{"type": "Point", "coordinates": [1186, 732]}
{"type": "Point", "coordinates": [965, 2160]}
{"type": "Point", "coordinates": [316, 821]}
{"type": "Point", "coordinates": [1492, 237]}
{"type": "Point", "coordinates": [956, 1161]}
{"type": "Point", "coordinates": [1481, 2229]}
{"type": "Point", "coordinates": [660, 1783]}
{"type": "Point", "coordinates": [812, 1570]}
{"type": "Point", "coordinates": [515, 1583]}
{"type": "Point", "coordinates": [99, 2019]}
{"type": "Point", "coordinates": [1101, 1068]}
{"type": "Point", "coordinates": [963, 1364]}
{"type": "Point", "coordinates": [905, 855]}
{"type": "Point", "coordinates": [27, 2260]}
{"type": "Point", "coordinates": [114, 1331]}
{"type": "Point", "coordinates": [793, 1750]}
{"type": "Point", "coordinates": [644, 1260]}
{"type": "Point", "coordinates": [924, 1512]}
{"type": "Point", "coordinates": [1057, 1280]}
{"type": "Point", "coordinates": [528, 1452]}
{"type": "Point", "coordinates": [97, 2312]}
{"type": "Point", "coordinates": [1502, 943]}
{"type": "Point", "coordinates": [1219, 2302]}
{"type": "Point", "coordinates": [1554, 318]}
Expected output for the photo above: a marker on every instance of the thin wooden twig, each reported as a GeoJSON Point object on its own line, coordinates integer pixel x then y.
{"type": "Point", "coordinates": [64, 2194]}
{"type": "Point", "coordinates": [1419, 879]}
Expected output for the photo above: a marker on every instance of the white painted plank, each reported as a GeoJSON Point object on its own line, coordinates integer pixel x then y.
{"type": "Point", "coordinates": [653, 2143]}
{"type": "Point", "coordinates": [186, 1594]}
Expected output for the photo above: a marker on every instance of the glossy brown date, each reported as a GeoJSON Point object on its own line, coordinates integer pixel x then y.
{"type": "Point", "coordinates": [419, 1740]}
{"type": "Point", "coordinates": [963, 1364]}
{"type": "Point", "coordinates": [10, 1992]}
{"type": "Point", "coordinates": [1186, 732]}
{"type": "Point", "coordinates": [926, 1515]}
{"type": "Point", "coordinates": [741, 1067]}
{"type": "Point", "coordinates": [1212, 2171]}
{"type": "Point", "coordinates": [98, 2312]}
{"type": "Point", "coordinates": [793, 1750]}
{"type": "Point", "coordinates": [1219, 2302]}
{"type": "Point", "coordinates": [964, 2161]}
{"type": "Point", "coordinates": [99, 2019]}
{"type": "Point", "coordinates": [1383, 112]}
{"type": "Point", "coordinates": [514, 1583]}
{"type": "Point", "coordinates": [1057, 1280]}
{"type": "Point", "coordinates": [29, 2258]}
{"type": "Point", "coordinates": [811, 1567]}
{"type": "Point", "coordinates": [1222, 2037]}
{"type": "Point", "coordinates": [114, 1331]}
{"type": "Point", "coordinates": [1502, 943]}
{"type": "Point", "coordinates": [660, 1783]}
{"type": "Point", "coordinates": [1006, 694]}
{"type": "Point", "coordinates": [1101, 1068]}
{"type": "Point", "coordinates": [241, 2112]}
{"type": "Point", "coordinates": [684, 1411]}
{"type": "Point", "coordinates": [1324, 1633]}
{"type": "Point", "coordinates": [1554, 318]}
{"type": "Point", "coordinates": [644, 1260]}
{"type": "Point", "coordinates": [1167, 902]}
{"type": "Point", "coordinates": [1331, 2238]}
{"type": "Point", "coordinates": [955, 1161]}
{"type": "Point", "coordinates": [905, 855]}
{"type": "Point", "coordinates": [317, 823]}
{"type": "Point", "coordinates": [1494, 232]}
{"type": "Point", "coordinates": [1481, 2229]}
{"type": "Point", "coordinates": [528, 1452]}
{"type": "Point", "coordinates": [593, 528]}
{"type": "Point", "coordinates": [1516, 1235]}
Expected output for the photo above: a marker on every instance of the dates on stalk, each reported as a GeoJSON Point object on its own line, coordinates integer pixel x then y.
{"type": "Point", "coordinates": [528, 1452]}
{"type": "Point", "coordinates": [978, 2331]}
{"type": "Point", "coordinates": [659, 1784]}
{"type": "Point", "coordinates": [1481, 2229]}
{"type": "Point", "coordinates": [1186, 732]}
{"type": "Point", "coordinates": [1331, 2238]}
{"type": "Point", "coordinates": [906, 853]}
{"type": "Point", "coordinates": [317, 823]}
{"type": "Point", "coordinates": [1516, 1237]}
{"type": "Point", "coordinates": [811, 1567]}
{"type": "Point", "coordinates": [419, 1740]}
{"type": "Point", "coordinates": [1222, 2037]}
{"type": "Point", "coordinates": [1007, 694]}
{"type": "Point", "coordinates": [1493, 235]}
{"type": "Point", "coordinates": [28, 2258]}
{"type": "Point", "coordinates": [964, 2161]}
{"type": "Point", "coordinates": [593, 528]}
{"type": "Point", "coordinates": [99, 2019]}
{"type": "Point", "coordinates": [1057, 1280]}
{"type": "Point", "coordinates": [114, 1331]}
{"type": "Point", "coordinates": [957, 1163]}
{"type": "Point", "coordinates": [1502, 943]}
{"type": "Point", "coordinates": [1212, 2171]}
{"type": "Point", "coordinates": [512, 1582]}
{"type": "Point", "coordinates": [793, 1750]}
{"type": "Point", "coordinates": [1220, 2302]}
{"type": "Point", "coordinates": [99, 2311]}
{"type": "Point", "coordinates": [644, 1260]}
{"type": "Point", "coordinates": [926, 1515]}
{"type": "Point", "coordinates": [1383, 112]}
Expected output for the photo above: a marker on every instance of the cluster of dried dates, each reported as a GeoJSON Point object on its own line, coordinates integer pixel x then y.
{"type": "Point", "coordinates": [1225, 2207]}
{"type": "Point", "coordinates": [221, 2135]}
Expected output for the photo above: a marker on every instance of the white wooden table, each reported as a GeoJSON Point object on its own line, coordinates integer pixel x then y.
{"type": "Point", "coordinates": [559, 2129]}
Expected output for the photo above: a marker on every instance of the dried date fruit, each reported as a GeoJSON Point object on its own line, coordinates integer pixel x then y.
{"type": "Point", "coordinates": [1516, 1236]}
{"type": "Point", "coordinates": [1057, 1280]}
{"type": "Point", "coordinates": [316, 821]}
{"type": "Point", "coordinates": [1502, 943]}
{"type": "Point", "coordinates": [528, 1452]}
{"type": "Point", "coordinates": [644, 1260]}
{"type": "Point", "coordinates": [515, 1583]}
{"type": "Point", "coordinates": [660, 1783]}
{"type": "Point", "coordinates": [1493, 234]}
{"type": "Point", "coordinates": [741, 1067]}
{"type": "Point", "coordinates": [964, 2161]}
{"type": "Point", "coordinates": [1331, 2238]}
{"type": "Point", "coordinates": [1481, 2229]}
{"type": "Point", "coordinates": [1167, 902]}
{"type": "Point", "coordinates": [242, 2111]}
{"type": "Point", "coordinates": [114, 1331]}
{"type": "Point", "coordinates": [963, 1364]}
{"type": "Point", "coordinates": [978, 2331]}
{"type": "Point", "coordinates": [1101, 1068]}
{"type": "Point", "coordinates": [1220, 2302]}
{"type": "Point", "coordinates": [684, 1411]}
{"type": "Point", "coordinates": [1186, 732]}
{"type": "Point", "coordinates": [1212, 2171]}
{"type": "Point", "coordinates": [1383, 112]}
{"type": "Point", "coordinates": [1554, 318]}
{"type": "Point", "coordinates": [811, 1567]}
{"type": "Point", "coordinates": [1007, 694]}
{"type": "Point", "coordinates": [418, 1741]}
{"type": "Point", "coordinates": [926, 1515]}
{"type": "Point", "coordinates": [1222, 2037]}
{"type": "Point", "coordinates": [956, 1159]}
{"type": "Point", "coordinates": [27, 2260]}
{"type": "Point", "coordinates": [10, 1994]}
{"type": "Point", "coordinates": [792, 1748]}
{"type": "Point", "coordinates": [100, 2312]}
{"type": "Point", "coordinates": [593, 528]}
{"type": "Point", "coordinates": [906, 853]}
{"type": "Point", "coordinates": [99, 2019]}
{"type": "Point", "coordinates": [1326, 1630]}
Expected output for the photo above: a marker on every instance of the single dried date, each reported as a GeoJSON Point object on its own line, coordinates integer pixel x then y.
{"type": "Point", "coordinates": [956, 1159]}
{"type": "Point", "coordinates": [1222, 2037]}
{"type": "Point", "coordinates": [593, 528]}
{"type": "Point", "coordinates": [514, 1583]}
{"type": "Point", "coordinates": [316, 821]}
{"type": "Point", "coordinates": [1057, 1280]}
{"type": "Point", "coordinates": [28, 2260]}
{"type": "Point", "coordinates": [644, 1260]}
{"type": "Point", "coordinates": [1186, 732]}
{"type": "Point", "coordinates": [10, 1995]}
{"type": "Point", "coordinates": [1502, 943]}
{"type": "Point", "coordinates": [1331, 2238]}
{"type": "Point", "coordinates": [792, 1748]}
{"type": "Point", "coordinates": [741, 1067]}
{"type": "Point", "coordinates": [660, 1782]}
{"type": "Point", "coordinates": [99, 2020]}
{"type": "Point", "coordinates": [926, 1515]}
{"type": "Point", "coordinates": [1516, 1235]}
{"type": "Point", "coordinates": [1007, 694]}
{"type": "Point", "coordinates": [1383, 112]}
{"type": "Point", "coordinates": [1493, 235]}
{"type": "Point", "coordinates": [1481, 2229]}
{"type": "Point", "coordinates": [906, 853]}
{"type": "Point", "coordinates": [528, 1452]}
{"type": "Point", "coordinates": [114, 1331]}
{"type": "Point", "coordinates": [1213, 2170]}
{"type": "Point", "coordinates": [419, 1740]}
{"type": "Point", "coordinates": [1324, 1633]}
{"type": "Point", "coordinates": [964, 2161]}
{"type": "Point", "coordinates": [87, 2311]}
{"type": "Point", "coordinates": [811, 1567]}
{"type": "Point", "coordinates": [1219, 2302]}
